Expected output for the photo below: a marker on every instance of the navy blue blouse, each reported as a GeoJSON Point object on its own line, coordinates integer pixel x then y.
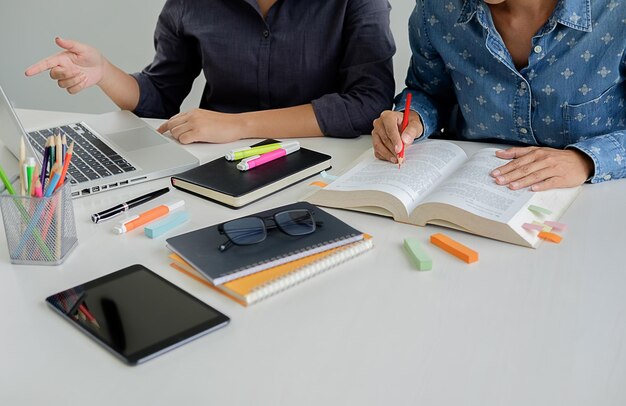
{"type": "Point", "coordinates": [335, 54]}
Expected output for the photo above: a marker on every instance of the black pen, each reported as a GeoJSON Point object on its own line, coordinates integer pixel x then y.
{"type": "Point", "coordinates": [121, 208]}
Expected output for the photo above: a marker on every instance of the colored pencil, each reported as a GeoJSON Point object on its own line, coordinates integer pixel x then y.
{"type": "Point", "coordinates": [66, 164]}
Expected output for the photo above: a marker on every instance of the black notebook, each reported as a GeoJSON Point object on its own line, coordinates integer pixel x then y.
{"type": "Point", "coordinates": [200, 248]}
{"type": "Point", "coordinates": [221, 181]}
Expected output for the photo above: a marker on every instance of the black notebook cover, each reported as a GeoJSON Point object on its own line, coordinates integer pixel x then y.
{"type": "Point", "coordinates": [221, 181]}
{"type": "Point", "coordinates": [200, 247]}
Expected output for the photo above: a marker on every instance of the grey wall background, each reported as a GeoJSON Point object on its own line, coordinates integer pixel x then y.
{"type": "Point", "coordinates": [121, 29]}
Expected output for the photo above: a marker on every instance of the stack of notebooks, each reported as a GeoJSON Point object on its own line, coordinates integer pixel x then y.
{"type": "Point", "coordinates": [250, 273]}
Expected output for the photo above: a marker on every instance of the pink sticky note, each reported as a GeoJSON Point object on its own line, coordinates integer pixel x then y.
{"type": "Point", "coordinates": [532, 227]}
{"type": "Point", "coordinates": [555, 225]}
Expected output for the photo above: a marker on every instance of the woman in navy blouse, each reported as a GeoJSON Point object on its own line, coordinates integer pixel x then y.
{"type": "Point", "coordinates": [273, 68]}
{"type": "Point", "coordinates": [545, 74]}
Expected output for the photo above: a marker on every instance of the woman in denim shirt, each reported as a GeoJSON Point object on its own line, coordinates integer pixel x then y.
{"type": "Point", "coordinates": [545, 74]}
{"type": "Point", "coordinates": [273, 68]}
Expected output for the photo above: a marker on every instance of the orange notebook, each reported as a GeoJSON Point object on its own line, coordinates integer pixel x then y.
{"type": "Point", "coordinates": [258, 286]}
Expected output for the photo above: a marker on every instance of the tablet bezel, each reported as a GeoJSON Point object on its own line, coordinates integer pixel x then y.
{"type": "Point", "coordinates": [160, 347]}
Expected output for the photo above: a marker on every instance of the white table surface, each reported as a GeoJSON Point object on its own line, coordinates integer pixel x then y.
{"type": "Point", "coordinates": [520, 327]}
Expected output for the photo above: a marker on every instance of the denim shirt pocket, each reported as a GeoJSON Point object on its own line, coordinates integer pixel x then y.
{"type": "Point", "coordinates": [592, 118]}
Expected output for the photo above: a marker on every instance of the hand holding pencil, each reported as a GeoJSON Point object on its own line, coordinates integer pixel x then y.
{"type": "Point", "coordinates": [389, 137]}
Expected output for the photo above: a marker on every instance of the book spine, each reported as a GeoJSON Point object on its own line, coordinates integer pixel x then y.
{"type": "Point", "coordinates": [308, 271]}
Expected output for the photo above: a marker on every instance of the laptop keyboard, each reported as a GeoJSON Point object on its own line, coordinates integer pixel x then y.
{"type": "Point", "coordinates": [92, 158]}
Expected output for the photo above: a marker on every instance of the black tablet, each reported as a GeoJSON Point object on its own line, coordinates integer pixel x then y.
{"type": "Point", "coordinates": [136, 314]}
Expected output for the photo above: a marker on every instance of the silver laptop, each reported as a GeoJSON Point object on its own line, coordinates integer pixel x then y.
{"type": "Point", "coordinates": [110, 150]}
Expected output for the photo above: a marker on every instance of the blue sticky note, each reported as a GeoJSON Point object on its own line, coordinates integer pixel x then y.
{"type": "Point", "coordinates": [163, 226]}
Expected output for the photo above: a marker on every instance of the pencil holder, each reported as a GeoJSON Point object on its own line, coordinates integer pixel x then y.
{"type": "Point", "coordinates": [39, 230]}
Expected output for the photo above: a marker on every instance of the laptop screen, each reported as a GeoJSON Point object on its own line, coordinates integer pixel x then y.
{"type": "Point", "coordinates": [10, 127]}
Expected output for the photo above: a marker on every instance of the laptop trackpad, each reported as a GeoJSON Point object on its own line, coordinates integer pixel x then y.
{"type": "Point", "coordinates": [136, 138]}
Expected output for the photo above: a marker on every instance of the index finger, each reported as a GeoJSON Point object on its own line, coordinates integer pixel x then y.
{"type": "Point", "coordinates": [173, 122]}
{"type": "Point", "coordinates": [43, 65]}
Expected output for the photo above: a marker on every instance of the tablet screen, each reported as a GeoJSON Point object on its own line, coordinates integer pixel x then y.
{"type": "Point", "coordinates": [136, 313]}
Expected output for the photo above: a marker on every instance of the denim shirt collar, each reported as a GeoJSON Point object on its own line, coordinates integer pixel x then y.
{"type": "Point", "coordinates": [575, 14]}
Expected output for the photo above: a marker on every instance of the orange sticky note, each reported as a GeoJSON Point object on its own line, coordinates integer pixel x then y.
{"type": "Point", "coordinates": [318, 183]}
{"type": "Point", "coordinates": [455, 248]}
{"type": "Point", "coordinates": [555, 238]}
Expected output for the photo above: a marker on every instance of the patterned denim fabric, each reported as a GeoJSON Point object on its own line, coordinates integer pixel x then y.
{"type": "Point", "coordinates": [571, 94]}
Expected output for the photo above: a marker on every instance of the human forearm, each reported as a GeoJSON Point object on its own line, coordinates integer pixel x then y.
{"type": "Point", "coordinates": [298, 121]}
{"type": "Point", "coordinates": [201, 125]}
{"type": "Point", "coordinates": [121, 88]}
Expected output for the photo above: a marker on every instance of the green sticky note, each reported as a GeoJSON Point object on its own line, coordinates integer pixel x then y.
{"type": "Point", "coordinates": [418, 256]}
{"type": "Point", "coordinates": [539, 210]}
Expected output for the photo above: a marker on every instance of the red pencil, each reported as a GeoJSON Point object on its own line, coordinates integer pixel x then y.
{"type": "Point", "coordinates": [405, 123]}
{"type": "Point", "coordinates": [83, 309]}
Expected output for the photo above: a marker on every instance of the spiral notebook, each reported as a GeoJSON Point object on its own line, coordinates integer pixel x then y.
{"type": "Point", "coordinates": [261, 285]}
{"type": "Point", "coordinates": [199, 248]}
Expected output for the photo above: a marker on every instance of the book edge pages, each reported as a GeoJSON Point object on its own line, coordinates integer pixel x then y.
{"type": "Point", "coordinates": [255, 194]}
{"type": "Point", "coordinates": [287, 258]}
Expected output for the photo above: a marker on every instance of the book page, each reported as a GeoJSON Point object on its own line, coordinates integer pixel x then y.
{"type": "Point", "coordinates": [426, 164]}
{"type": "Point", "coordinates": [473, 189]}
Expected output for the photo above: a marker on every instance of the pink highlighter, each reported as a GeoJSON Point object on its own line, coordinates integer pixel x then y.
{"type": "Point", "coordinates": [257, 160]}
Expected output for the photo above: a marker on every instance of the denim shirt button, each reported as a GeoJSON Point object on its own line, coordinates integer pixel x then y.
{"type": "Point", "coordinates": [522, 85]}
{"type": "Point", "coordinates": [523, 131]}
{"type": "Point", "coordinates": [266, 34]}
{"type": "Point", "coordinates": [538, 49]}
{"type": "Point", "coordinates": [606, 177]}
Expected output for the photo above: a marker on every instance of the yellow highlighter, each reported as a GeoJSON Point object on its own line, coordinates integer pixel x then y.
{"type": "Point", "coordinates": [247, 152]}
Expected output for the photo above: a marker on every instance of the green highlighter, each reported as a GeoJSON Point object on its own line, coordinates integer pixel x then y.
{"type": "Point", "coordinates": [418, 256]}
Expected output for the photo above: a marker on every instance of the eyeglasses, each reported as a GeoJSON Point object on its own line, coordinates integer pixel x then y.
{"type": "Point", "coordinates": [253, 230]}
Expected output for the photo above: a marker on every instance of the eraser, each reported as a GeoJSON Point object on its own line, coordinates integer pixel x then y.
{"type": "Point", "coordinates": [533, 227]}
{"type": "Point", "coordinates": [418, 256]}
{"type": "Point", "coordinates": [539, 210]}
{"type": "Point", "coordinates": [555, 225]}
{"type": "Point", "coordinates": [555, 238]}
{"type": "Point", "coordinates": [161, 227]}
{"type": "Point", "coordinates": [327, 176]}
{"type": "Point", "coordinates": [455, 248]}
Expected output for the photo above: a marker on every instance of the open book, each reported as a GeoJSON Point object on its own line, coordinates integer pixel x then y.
{"type": "Point", "coordinates": [439, 184]}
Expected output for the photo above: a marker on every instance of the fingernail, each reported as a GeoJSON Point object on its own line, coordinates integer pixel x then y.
{"type": "Point", "coordinates": [495, 173]}
{"type": "Point", "coordinates": [393, 160]}
{"type": "Point", "coordinates": [500, 179]}
{"type": "Point", "coordinates": [398, 148]}
{"type": "Point", "coordinates": [406, 139]}
{"type": "Point", "coordinates": [513, 185]}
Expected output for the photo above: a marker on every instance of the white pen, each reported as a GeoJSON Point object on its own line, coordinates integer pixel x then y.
{"type": "Point", "coordinates": [146, 217]}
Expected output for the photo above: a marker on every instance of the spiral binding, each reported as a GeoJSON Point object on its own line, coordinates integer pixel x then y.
{"type": "Point", "coordinates": [290, 256]}
{"type": "Point", "coordinates": [309, 271]}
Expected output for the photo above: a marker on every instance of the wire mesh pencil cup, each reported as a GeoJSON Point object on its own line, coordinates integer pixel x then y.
{"type": "Point", "coordinates": [39, 230]}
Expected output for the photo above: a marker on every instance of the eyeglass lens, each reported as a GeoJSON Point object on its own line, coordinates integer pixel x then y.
{"type": "Point", "coordinates": [295, 222]}
{"type": "Point", "coordinates": [245, 231]}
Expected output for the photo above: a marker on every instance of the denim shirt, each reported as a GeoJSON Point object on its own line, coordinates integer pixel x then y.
{"type": "Point", "coordinates": [570, 95]}
{"type": "Point", "coordinates": [336, 55]}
